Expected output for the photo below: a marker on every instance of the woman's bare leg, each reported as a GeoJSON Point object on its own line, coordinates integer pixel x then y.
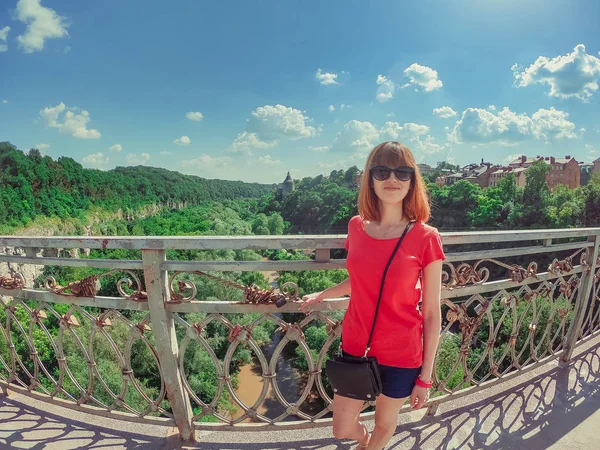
{"type": "Point", "coordinates": [346, 425]}
{"type": "Point", "coordinates": [386, 419]}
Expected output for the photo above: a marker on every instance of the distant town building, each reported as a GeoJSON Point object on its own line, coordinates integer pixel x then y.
{"type": "Point", "coordinates": [501, 172]}
{"type": "Point", "coordinates": [524, 161]}
{"type": "Point", "coordinates": [585, 173]}
{"type": "Point", "coordinates": [425, 169]}
{"type": "Point", "coordinates": [288, 186]}
{"type": "Point", "coordinates": [563, 170]}
{"type": "Point", "coordinates": [596, 168]}
{"type": "Point", "coordinates": [475, 173]}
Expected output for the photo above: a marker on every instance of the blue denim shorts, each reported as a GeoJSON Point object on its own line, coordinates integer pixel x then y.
{"type": "Point", "coordinates": [397, 382]}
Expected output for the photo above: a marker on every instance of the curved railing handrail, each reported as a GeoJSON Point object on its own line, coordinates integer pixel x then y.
{"type": "Point", "coordinates": [271, 242]}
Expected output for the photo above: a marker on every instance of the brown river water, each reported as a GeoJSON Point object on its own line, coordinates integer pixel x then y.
{"type": "Point", "coordinates": [290, 380]}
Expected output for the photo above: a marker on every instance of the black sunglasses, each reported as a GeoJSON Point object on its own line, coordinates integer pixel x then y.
{"type": "Point", "coordinates": [382, 173]}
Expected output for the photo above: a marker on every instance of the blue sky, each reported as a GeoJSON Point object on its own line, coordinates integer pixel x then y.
{"type": "Point", "coordinates": [250, 90]}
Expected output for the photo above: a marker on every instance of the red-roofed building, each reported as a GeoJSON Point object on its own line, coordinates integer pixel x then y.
{"type": "Point", "coordinates": [563, 170]}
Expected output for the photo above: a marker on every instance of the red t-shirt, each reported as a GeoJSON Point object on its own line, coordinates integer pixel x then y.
{"type": "Point", "coordinates": [398, 337]}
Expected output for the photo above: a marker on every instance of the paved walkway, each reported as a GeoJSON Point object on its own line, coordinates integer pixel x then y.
{"type": "Point", "coordinates": [549, 408]}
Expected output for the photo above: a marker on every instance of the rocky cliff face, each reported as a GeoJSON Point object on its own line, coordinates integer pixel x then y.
{"type": "Point", "coordinates": [29, 271]}
{"type": "Point", "coordinates": [55, 226]}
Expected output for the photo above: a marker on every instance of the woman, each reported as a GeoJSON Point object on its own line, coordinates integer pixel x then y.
{"type": "Point", "coordinates": [392, 196]}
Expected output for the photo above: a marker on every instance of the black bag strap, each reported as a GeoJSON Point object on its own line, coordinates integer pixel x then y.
{"type": "Point", "coordinates": [381, 287]}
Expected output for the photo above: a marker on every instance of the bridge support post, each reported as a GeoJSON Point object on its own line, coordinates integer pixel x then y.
{"type": "Point", "coordinates": [163, 328]}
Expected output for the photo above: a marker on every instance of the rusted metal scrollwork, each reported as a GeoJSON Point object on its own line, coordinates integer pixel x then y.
{"type": "Point", "coordinates": [519, 274]}
{"type": "Point", "coordinates": [252, 293]}
{"type": "Point", "coordinates": [530, 325]}
{"type": "Point", "coordinates": [561, 267]}
{"type": "Point", "coordinates": [31, 372]}
{"type": "Point", "coordinates": [14, 281]}
{"type": "Point", "coordinates": [466, 274]}
{"type": "Point", "coordinates": [89, 286]}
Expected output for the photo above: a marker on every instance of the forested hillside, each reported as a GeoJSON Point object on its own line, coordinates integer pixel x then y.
{"type": "Point", "coordinates": [32, 185]}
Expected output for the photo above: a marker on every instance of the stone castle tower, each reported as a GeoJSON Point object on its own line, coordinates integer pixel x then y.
{"type": "Point", "coordinates": [285, 188]}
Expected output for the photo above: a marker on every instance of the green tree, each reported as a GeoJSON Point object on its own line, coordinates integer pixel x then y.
{"type": "Point", "coordinates": [276, 224]}
{"type": "Point", "coordinates": [536, 195]}
{"type": "Point", "coordinates": [591, 195]}
{"type": "Point", "coordinates": [260, 225]}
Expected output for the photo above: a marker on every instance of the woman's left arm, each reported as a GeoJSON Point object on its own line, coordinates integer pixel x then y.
{"type": "Point", "coordinates": [432, 316]}
{"type": "Point", "coordinates": [432, 324]}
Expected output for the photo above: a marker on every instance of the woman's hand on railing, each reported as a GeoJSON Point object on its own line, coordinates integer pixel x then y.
{"type": "Point", "coordinates": [419, 397]}
{"type": "Point", "coordinates": [311, 299]}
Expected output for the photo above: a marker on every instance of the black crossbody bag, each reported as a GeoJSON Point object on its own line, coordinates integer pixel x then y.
{"type": "Point", "coordinates": [355, 376]}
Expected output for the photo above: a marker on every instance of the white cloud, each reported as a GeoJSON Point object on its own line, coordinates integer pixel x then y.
{"type": "Point", "coordinates": [480, 126]}
{"type": "Point", "coordinates": [4, 102]}
{"type": "Point", "coordinates": [206, 161]}
{"type": "Point", "coordinates": [386, 89]}
{"type": "Point", "coordinates": [344, 106]}
{"type": "Point", "coordinates": [445, 112]}
{"type": "Point", "coordinates": [134, 160]}
{"type": "Point", "coordinates": [69, 122]}
{"type": "Point", "coordinates": [358, 138]}
{"type": "Point", "coordinates": [322, 148]}
{"type": "Point", "coordinates": [331, 108]}
{"type": "Point", "coordinates": [326, 78]}
{"type": "Point", "coordinates": [268, 160]}
{"type": "Point", "coordinates": [269, 124]}
{"type": "Point", "coordinates": [274, 122]}
{"type": "Point", "coordinates": [95, 160]}
{"type": "Point", "coordinates": [67, 49]}
{"type": "Point", "coordinates": [575, 74]}
{"type": "Point", "coordinates": [3, 36]}
{"type": "Point", "coordinates": [246, 142]}
{"type": "Point", "coordinates": [194, 115]}
{"type": "Point", "coordinates": [551, 125]}
{"type": "Point", "coordinates": [116, 148]}
{"type": "Point", "coordinates": [592, 152]}
{"type": "Point", "coordinates": [42, 146]}
{"type": "Point", "coordinates": [393, 131]}
{"type": "Point", "coordinates": [429, 146]}
{"type": "Point", "coordinates": [492, 108]}
{"type": "Point", "coordinates": [510, 158]}
{"type": "Point", "coordinates": [411, 134]}
{"type": "Point", "coordinates": [42, 23]}
{"type": "Point", "coordinates": [165, 153]}
{"type": "Point", "coordinates": [334, 165]}
{"type": "Point", "coordinates": [183, 140]}
{"type": "Point", "coordinates": [423, 76]}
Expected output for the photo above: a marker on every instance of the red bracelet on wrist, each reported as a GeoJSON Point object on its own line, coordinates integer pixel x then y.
{"type": "Point", "coordinates": [424, 384]}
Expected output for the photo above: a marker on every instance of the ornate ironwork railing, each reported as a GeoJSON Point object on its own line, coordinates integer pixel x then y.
{"type": "Point", "coordinates": [511, 301]}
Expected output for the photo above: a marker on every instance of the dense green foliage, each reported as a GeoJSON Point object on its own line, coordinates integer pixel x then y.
{"type": "Point", "coordinates": [464, 206]}
{"type": "Point", "coordinates": [325, 204]}
{"type": "Point", "coordinates": [33, 185]}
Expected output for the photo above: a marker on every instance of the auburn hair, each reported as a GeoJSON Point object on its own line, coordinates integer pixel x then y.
{"type": "Point", "coordinates": [393, 154]}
